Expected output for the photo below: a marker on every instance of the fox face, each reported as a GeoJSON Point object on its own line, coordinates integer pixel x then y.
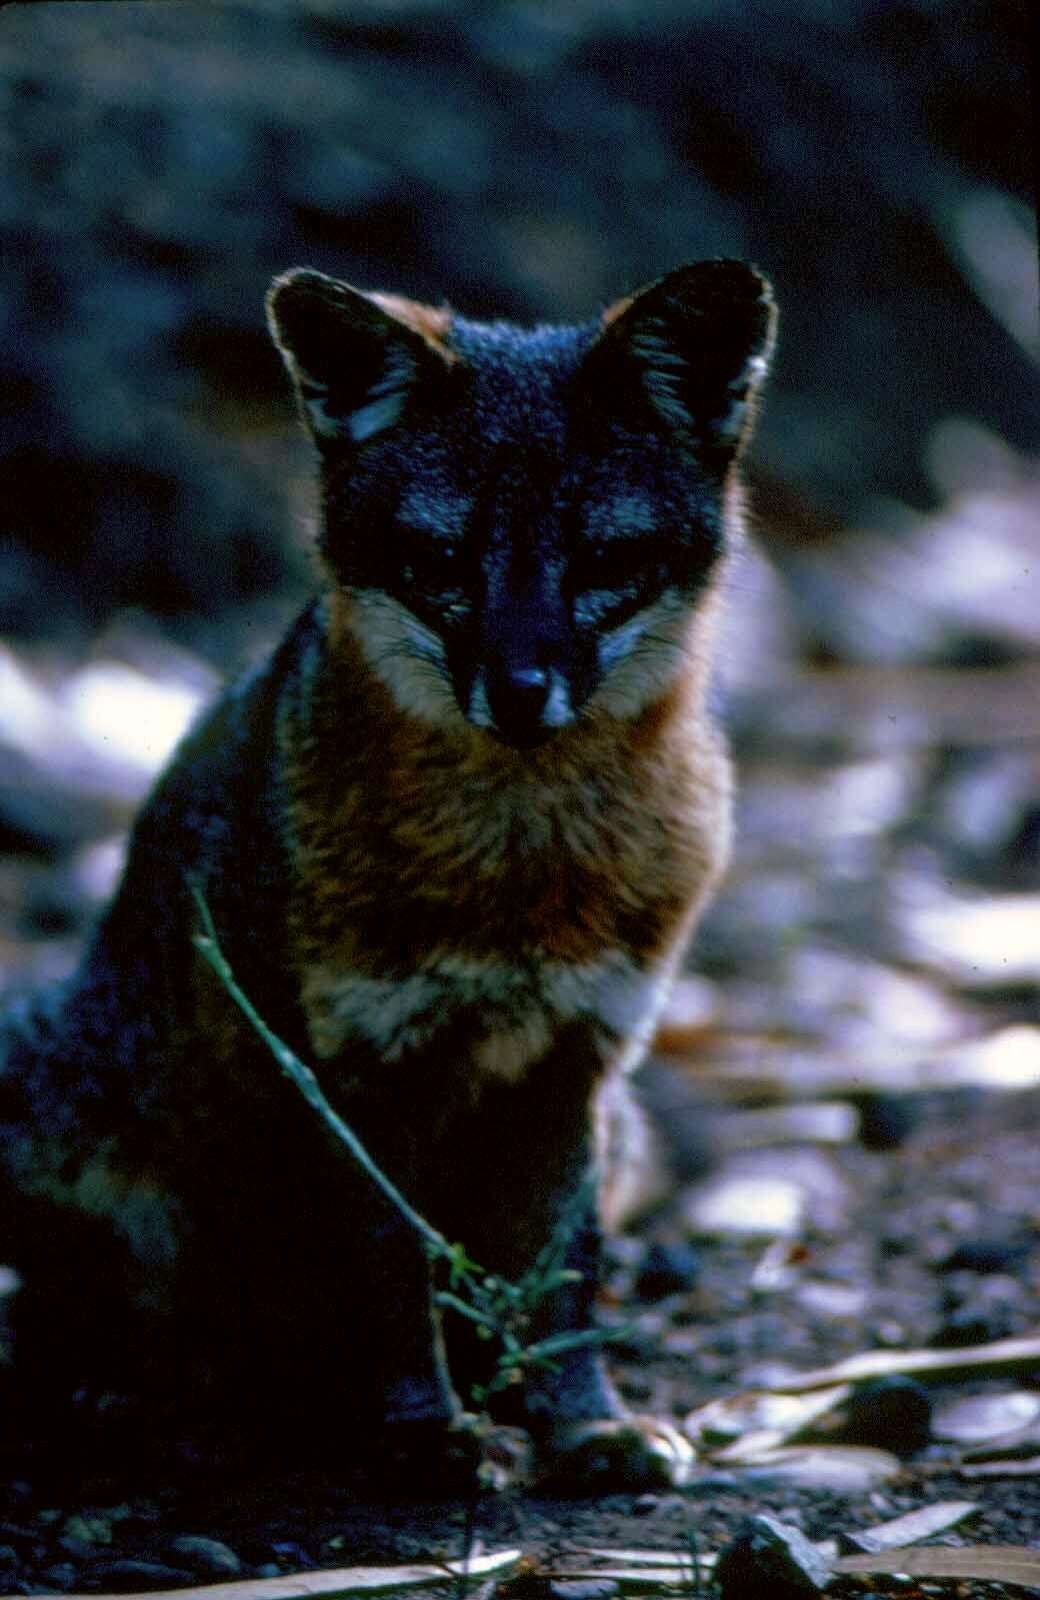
{"type": "Point", "coordinates": [525, 520]}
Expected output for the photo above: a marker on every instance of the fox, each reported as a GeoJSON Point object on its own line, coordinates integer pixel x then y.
{"type": "Point", "coordinates": [454, 834]}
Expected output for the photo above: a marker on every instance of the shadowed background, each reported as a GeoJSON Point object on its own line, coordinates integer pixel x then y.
{"type": "Point", "coordinates": [532, 160]}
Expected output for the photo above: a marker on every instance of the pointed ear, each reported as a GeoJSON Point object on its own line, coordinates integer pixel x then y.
{"type": "Point", "coordinates": [690, 351]}
{"type": "Point", "coordinates": [354, 358]}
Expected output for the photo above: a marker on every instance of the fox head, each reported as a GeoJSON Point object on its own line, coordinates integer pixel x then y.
{"type": "Point", "coordinates": [526, 519]}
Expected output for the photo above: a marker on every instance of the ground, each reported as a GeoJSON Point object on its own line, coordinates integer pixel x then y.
{"type": "Point", "coordinates": [965, 1175]}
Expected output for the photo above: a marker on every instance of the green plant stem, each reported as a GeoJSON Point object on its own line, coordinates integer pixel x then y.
{"type": "Point", "coordinates": [209, 947]}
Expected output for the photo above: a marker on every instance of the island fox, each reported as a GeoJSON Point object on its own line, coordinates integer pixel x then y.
{"type": "Point", "coordinates": [454, 836]}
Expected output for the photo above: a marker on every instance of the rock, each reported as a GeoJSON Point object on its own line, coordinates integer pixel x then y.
{"type": "Point", "coordinates": [79, 1549]}
{"type": "Point", "coordinates": [1003, 1253]}
{"type": "Point", "coordinates": [583, 1588]}
{"type": "Point", "coordinates": [88, 1530]}
{"type": "Point", "coordinates": [669, 1267]}
{"type": "Point", "coordinates": [973, 1325]}
{"type": "Point", "coordinates": [979, 1307]}
{"type": "Point", "coordinates": [769, 1560]}
{"type": "Point", "coordinates": [294, 1554]}
{"type": "Point", "coordinates": [127, 1574]}
{"type": "Point", "coordinates": [206, 1556]}
{"type": "Point", "coordinates": [62, 1576]}
{"type": "Point", "coordinates": [887, 1120]}
{"type": "Point", "coordinates": [892, 1413]}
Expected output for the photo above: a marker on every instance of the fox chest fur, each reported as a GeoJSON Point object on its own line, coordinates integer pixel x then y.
{"type": "Point", "coordinates": [442, 884]}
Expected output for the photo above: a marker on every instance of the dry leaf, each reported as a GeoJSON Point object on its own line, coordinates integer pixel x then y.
{"type": "Point", "coordinates": [995, 1563]}
{"type": "Point", "coordinates": [1030, 1468]}
{"type": "Point", "coordinates": [986, 1417]}
{"type": "Point", "coordinates": [645, 1558]}
{"type": "Point", "coordinates": [841, 1469]}
{"type": "Point", "coordinates": [643, 1579]}
{"type": "Point", "coordinates": [923, 1523]}
{"type": "Point", "coordinates": [746, 1424]}
{"type": "Point", "coordinates": [331, 1582]}
{"type": "Point", "coordinates": [1005, 1355]}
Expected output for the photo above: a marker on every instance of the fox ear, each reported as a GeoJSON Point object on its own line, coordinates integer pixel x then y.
{"type": "Point", "coordinates": [697, 344]}
{"type": "Point", "coordinates": [354, 358]}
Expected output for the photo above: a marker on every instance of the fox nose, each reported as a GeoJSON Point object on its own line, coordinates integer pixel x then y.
{"type": "Point", "coordinates": [519, 700]}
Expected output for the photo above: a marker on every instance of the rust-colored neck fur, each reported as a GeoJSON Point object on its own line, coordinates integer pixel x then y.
{"type": "Point", "coordinates": [604, 839]}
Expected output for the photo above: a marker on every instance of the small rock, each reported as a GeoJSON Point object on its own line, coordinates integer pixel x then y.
{"type": "Point", "coordinates": [294, 1554]}
{"type": "Point", "coordinates": [88, 1530]}
{"type": "Point", "coordinates": [645, 1504]}
{"type": "Point", "coordinates": [893, 1413]}
{"type": "Point", "coordinates": [768, 1560]}
{"type": "Point", "coordinates": [8, 1557]}
{"type": "Point", "coordinates": [127, 1574]}
{"type": "Point", "coordinates": [16, 1534]}
{"type": "Point", "coordinates": [983, 1289]}
{"type": "Point", "coordinates": [583, 1588]}
{"type": "Point", "coordinates": [671, 1267]}
{"type": "Point", "coordinates": [974, 1325]}
{"type": "Point", "coordinates": [79, 1549]}
{"type": "Point", "coordinates": [997, 1253]}
{"type": "Point", "coordinates": [62, 1576]}
{"type": "Point", "coordinates": [887, 1120]}
{"type": "Point", "coordinates": [207, 1556]}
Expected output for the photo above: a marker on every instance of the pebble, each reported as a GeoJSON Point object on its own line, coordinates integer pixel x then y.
{"type": "Point", "coordinates": [80, 1549]}
{"type": "Point", "coordinates": [88, 1530]}
{"type": "Point", "coordinates": [206, 1556]}
{"type": "Point", "coordinates": [62, 1576]}
{"type": "Point", "coordinates": [671, 1267]}
{"type": "Point", "coordinates": [973, 1325]}
{"type": "Point", "coordinates": [992, 1289]}
{"type": "Point", "coordinates": [288, 1550]}
{"type": "Point", "coordinates": [127, 1574]}
{"type": "Point", "coordinates": [997, 1253]}
{"type": "Point", "coordinates": [892, 1413]}
{"type": "Point", "coordinates": [583, 1589]}
{"type": "Point", "coordinates": [886, 1121]}
{"type": "Point", "coordinates": [769, 1560]}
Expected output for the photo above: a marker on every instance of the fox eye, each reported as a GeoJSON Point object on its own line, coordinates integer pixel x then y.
{"type": "Point", "coordinates": [616, 563]}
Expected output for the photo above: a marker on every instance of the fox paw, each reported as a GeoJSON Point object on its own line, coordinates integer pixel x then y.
{"type": "Point", "coordinates": [633, 1454]}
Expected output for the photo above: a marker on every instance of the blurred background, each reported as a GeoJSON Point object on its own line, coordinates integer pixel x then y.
{"type": "Point", "coordinates": [535, 159]}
